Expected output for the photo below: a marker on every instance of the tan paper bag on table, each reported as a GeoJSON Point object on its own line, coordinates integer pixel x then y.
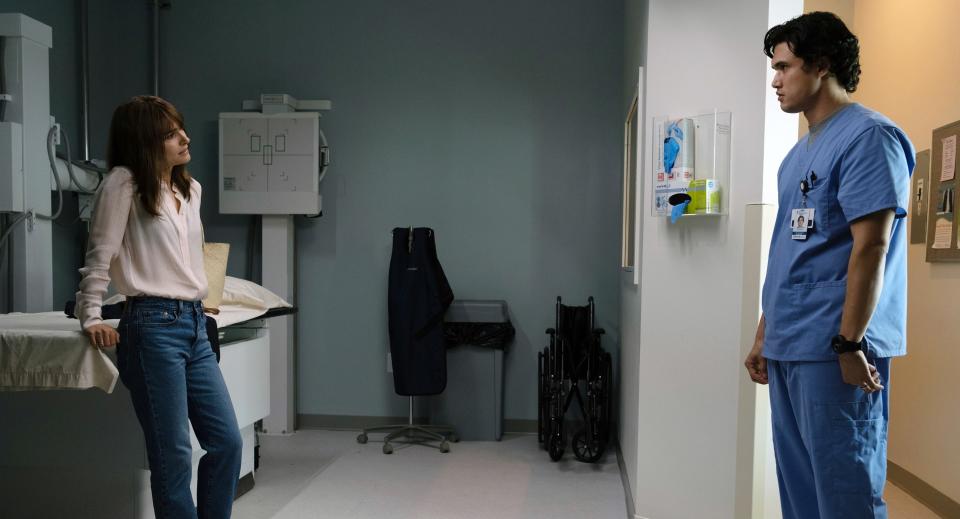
{"type": "Point", "coordinates": [215, 264]}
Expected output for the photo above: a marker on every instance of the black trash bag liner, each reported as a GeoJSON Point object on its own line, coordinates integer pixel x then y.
{"type": "Point", "coordinates": [483, 335]}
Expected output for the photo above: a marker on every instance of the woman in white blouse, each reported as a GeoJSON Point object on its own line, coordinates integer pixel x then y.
{"type": "Point", "coordinates": [146, 236]}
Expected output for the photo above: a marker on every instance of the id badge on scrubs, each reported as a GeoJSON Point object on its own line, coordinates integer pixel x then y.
{"type": "Point", "coordinates": [801, 221]}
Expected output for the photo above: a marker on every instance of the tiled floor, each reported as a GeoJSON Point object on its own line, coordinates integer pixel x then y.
{"type": "Point", "coordinates": [327, 474]}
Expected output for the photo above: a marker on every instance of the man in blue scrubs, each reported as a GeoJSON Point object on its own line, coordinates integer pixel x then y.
{"type": "Point", "coordinates": [834, 299]}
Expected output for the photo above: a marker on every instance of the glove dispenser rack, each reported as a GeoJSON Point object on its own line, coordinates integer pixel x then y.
{"type": "Point", "coordinates": [691, 165]}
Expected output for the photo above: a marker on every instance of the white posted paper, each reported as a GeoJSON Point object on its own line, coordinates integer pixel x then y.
{"type": "Point", "coordinates": [941, 237]}
{"type": "Point", "coordinates": [949, 158]}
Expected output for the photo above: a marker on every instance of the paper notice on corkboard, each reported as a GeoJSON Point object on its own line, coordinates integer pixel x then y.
{"type": "Point", "coordinates": [942, 234]}
{"type": "Point", "coordinates": [949, 165]}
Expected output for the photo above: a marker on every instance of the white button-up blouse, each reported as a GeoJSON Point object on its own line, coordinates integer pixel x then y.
{"type": "Point", "coordinates": [144, 255]}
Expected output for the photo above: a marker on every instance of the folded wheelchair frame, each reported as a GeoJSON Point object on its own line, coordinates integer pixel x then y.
{"type": "Point", "coordinates": [574, 357]}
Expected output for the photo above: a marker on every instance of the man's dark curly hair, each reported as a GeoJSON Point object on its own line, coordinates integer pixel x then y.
{"type": "Point", "coordinates": [820, 39]}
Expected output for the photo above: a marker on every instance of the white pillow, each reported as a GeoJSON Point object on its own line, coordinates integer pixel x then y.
{"type": "Point", "coordinates": [247, 293]}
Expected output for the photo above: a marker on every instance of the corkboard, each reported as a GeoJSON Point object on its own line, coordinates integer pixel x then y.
{"type": "Point", "coordinates": [943, 198]}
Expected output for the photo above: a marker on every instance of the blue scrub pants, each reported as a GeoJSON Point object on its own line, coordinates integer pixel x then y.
{"type": "Point", "coordinates": [830, 440]}
{"type": "Point", "coordinates": [166, 362]}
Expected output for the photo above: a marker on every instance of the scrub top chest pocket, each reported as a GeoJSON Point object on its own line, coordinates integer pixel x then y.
{"type": "Point", "coordinates": [813, 171]}
{"type": "Point", "coordinates": [816, 200]}
{"type": "Point", "coordinates": [822, 172]}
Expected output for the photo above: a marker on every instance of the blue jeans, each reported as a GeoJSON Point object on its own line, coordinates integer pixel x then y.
{"type": "Point", "coordinates": [166, 362]}
{"type": "Point", "coordinates": [830, 441]}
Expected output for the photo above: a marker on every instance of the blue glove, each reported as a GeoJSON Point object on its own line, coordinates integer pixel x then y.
{"type": "Point", "coordinates": [671, 146]}
{"type": "Point", "coordinates": [678, 211]}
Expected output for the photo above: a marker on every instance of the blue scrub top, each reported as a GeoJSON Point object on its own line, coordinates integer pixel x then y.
{"type": "Point", "coordinates": [862, 162]}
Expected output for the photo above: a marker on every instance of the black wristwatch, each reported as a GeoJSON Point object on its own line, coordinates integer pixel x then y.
{"type": "Point", "coordinates": [840, 344]}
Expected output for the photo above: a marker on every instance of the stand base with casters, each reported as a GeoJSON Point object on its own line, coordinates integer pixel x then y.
{"type": "Point", "coordinates": [410, 433]}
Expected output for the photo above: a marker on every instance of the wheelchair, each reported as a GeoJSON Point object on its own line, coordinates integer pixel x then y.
{"type": "Point", "coordinates": [573, 358]}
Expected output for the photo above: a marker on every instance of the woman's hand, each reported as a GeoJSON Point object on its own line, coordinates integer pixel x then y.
{"type": "Point", "coordinates": [102, 335]}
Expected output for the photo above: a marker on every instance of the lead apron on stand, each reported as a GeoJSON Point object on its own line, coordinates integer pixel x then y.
{"type": "Point", "coordinates": [418, 298]}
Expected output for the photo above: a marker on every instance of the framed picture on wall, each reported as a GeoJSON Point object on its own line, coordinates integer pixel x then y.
{"type": "Point", "coordinates": [632, 139]}
{"type": "Point", "coordinates": [627, 249]}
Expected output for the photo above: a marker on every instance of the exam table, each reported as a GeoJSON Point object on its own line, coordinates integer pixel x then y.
{"type": "Point", "coordinates": [70, 443]}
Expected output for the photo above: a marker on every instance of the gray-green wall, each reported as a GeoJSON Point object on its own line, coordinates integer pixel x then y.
{"type": "Point", "coordinates": [119, 49]}
{"type": "Point", "coordinates": [496, 123]}
{"type": "Point", "coordinates": [635, 45]}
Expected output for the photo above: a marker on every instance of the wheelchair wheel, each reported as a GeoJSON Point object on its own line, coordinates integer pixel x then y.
{"type": "Point", "coordinates": [606, 400]}
{"type": "Point", "coordinates": [555, 438]}
{"type": "Point", "coordinates": [587, 450]}
{"type": "Point", "coordinates": [542, 414]}
{"type": "Point", "coordinates": [555, 447]}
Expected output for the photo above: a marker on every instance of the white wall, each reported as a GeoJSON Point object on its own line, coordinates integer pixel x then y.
{"type": "Point", "coordinates": [911, 73]}
{"type": "Point", "coordinates": [635, 32]}
{"type": "Point", "coordinates": [700, 55]}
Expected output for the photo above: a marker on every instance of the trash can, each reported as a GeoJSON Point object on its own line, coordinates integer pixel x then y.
{"type": "Point", "coordinates": [477, 333]}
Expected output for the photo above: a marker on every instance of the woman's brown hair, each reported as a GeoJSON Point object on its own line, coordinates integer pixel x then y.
{"type": "Point", "coordinates": [137, 133]}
